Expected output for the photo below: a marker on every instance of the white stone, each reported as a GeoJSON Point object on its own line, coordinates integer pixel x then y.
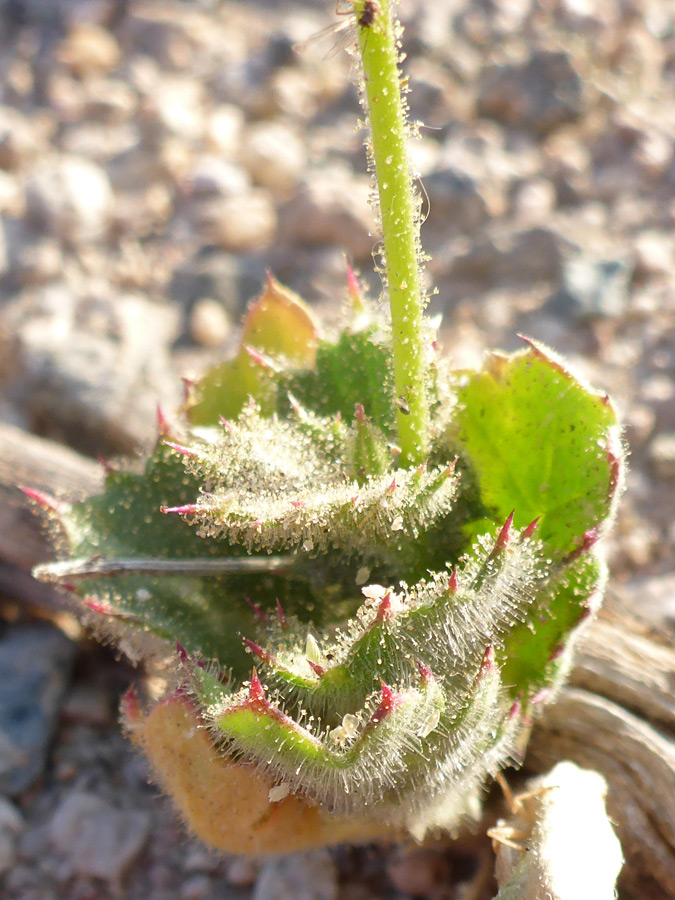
{"type": "Point", "coordinates": [210, 325]}
{"type": "Point", "coordinates": [211, 176]}
{"type": "Point", "coordinates": [298, 876]}
{"type": "Point", "coordinates": [224, 128]}
{"type": "Point", "coordinates": [70, 196]}
{"type": "Point", "coordinates": [274, 155]}
{"type": "Point", "coordinates": [96, 839]}
{"type": "Point", "coordinates": [179, 104]}
{"type": "Point", "coordinates": [243, 223]}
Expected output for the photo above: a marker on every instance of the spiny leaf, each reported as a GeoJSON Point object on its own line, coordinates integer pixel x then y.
{"type": "Point", "coordinates": [443, 624]}
{"type": "Point", "coordinates": [539, 441]}
{"type": "Point", "coordinates": [228, 804]}
{"type": "Point", "coordinates": [302, 499]}
{"type": "Point", "coordinates": [374, 764]}
{"type": "Point", "coordinates": [204, 611]}
{"type": "Point", "coordinates": [401, 704]}
{"type": "Point", "coordinates": [355, 369]}
{"type": "Point", "coordinates": [530, 655]}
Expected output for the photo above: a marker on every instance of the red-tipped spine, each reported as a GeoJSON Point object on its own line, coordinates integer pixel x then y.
{"type": "Point", "coordinates": [384, 610]}
{"type": "Point", "coordinates": [453, 582]}
{"type": "Point", "coordinates": [529, 530]}
{"type": "Point", "coordinates": [590, 537]}
{"type": "Point", "coordinates": [504, 535]}
{"type": "Point", "coordinates": [281, 615]}
{"type": "Point", "coordinates": [131, 705]}
{"type": "Point", "coordinates": [354, 289]}
{"type": "Point", "coordinates": [543, 695]}
{"type": "Point", "coordinates": [257, 650]}
{"type": "Point", "coordinates": [316, 668]}
{"type": "Point", "coordinates": [188, 385]}
{"type": "Point", "coordinates": [256, 694]}
{"type": "Point", "coordinates": [556, 652]}
{"type": "Point", "coordinates": [487, 664]}
{"type": "Point", "coordinates": [45, 500]}
{"type": "Point", "coordinates": [180, 448]}
{"type": "Point", "coordinates": [163, 429]}
{"type": "Point", "coordinates": [182, 653]}
{"type": "Point", "coordinates": [190, 509]}
{"type": "Point", "coordinates": [388, 703]}
{"type": "Point", "coordinates": [426, 675]}
{"type": "Point", "coordinates": [107, 465]}
{"type": "Point", "coordinates": [259, 613]}
{"type": "Point", "coordinates": [614, 461]}
{"type": "Point", "coordinates": [99, 606]}
{"type": "Point", "coordinates": [261, 359]}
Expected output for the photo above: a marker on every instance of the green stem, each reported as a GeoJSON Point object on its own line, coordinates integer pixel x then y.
{"type": "Point", "coordinates": [400, 219]}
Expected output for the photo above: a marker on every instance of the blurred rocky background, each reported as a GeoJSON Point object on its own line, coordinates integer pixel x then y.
{"type": "Point", "coordinates": [156, 158]}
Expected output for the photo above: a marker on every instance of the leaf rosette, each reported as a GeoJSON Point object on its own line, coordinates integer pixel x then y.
{"type": "Point", "coordinates": [360, 643]}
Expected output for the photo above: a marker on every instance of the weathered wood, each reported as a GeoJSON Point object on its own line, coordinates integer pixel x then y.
{"type": "Point", "coordinates": [636, 755]}
{"type": "Point", "coordinates": [37, 463]}
{"type": "Point", "coordinates": [617, 716]}
{"type": "Point", "coordinates": [620, 660]}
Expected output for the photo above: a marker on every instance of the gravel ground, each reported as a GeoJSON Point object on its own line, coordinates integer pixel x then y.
{"type": "Point", "coordinates": [157, 157]}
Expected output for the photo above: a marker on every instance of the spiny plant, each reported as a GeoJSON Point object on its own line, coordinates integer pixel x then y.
{"type": "Point", "coordinates": [358, 572]}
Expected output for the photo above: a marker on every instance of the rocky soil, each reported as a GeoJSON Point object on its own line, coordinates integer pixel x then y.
{"type": "Point", "coordinates": [155, 159]}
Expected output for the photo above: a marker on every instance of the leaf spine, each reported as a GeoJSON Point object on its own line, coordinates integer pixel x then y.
{"type": "Point", "coordinates": [189, 509]}
{"type": "Point", "coordinates": [45, 500]}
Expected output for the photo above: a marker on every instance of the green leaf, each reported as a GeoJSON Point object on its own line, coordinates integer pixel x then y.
{"type": "Point", "coordinates": [355, 369]}
{"type": "Point", "coordinates": [302, 499]}
{"type": "Point", "coordinates": [278, 325]}
{"type": "Point", "coordinates": [540, 442]}
{"type": "Point", "coordinates": [225, 388]}
{"type": "Point", "coordinates": [531, 650]}
{"type": "Point", "coordinates": [206, 613]}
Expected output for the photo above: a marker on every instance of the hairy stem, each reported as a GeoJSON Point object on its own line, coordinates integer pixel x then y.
{"type": "Point", "coordinates": [400, 219]}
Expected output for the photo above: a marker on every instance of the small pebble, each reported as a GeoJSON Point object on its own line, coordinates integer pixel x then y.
{"type": "Point", "coordinates": [655, 253]}
{"type": "Point", "coordinates": [179, 105]}
{"type": "Point", "coordinates": [243, 223]}
{"type": "Point", "coordinates": [39, 262]}
{"type": "Point", "coordinates": [18, 141]}
{"type": "Point", "coordinates": [224, 129]}
{"type": "Point", "coordinates": [212, 176]}
{"type": "Point", "coordinates": [331, 207]}
{"type": "Point", "coordinates": [35, 666]}
{"type": "Point", "coordinates": [298, 876]}
{"type": "Point", "coordinates": [201, 859]}
{"type": "Point", "coordinates": [196, 887]}
{"type": "Point", "coordinates": [97, 839]}
{"type": "Point", "coordinates": [88, 705]}
{"type": "Point", "coordinates": [275, 156]}
{"type": "Point", "coordinates": [417, 871]}
{"type": "Point", "coordinates": [242, 871]}
{"type": "Point", "coordinates": [70, 197]}
{"type": "Point", "coordinates": [11, 826]}
{"type": "Point", "coordinates": [89, 49]}
{"type": "Point", "coordinates": [662, 455]}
